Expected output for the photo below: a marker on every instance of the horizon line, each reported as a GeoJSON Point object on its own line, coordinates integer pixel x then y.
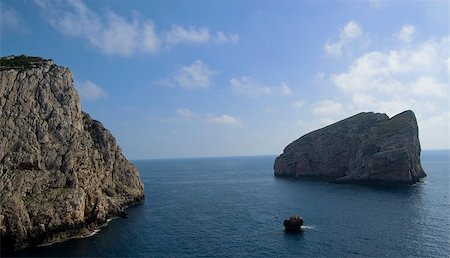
{"type": "Point", "coordinates": [235, 156]}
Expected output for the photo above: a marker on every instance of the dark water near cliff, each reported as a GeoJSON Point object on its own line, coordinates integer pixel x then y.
{"type": "Point", "coordinates": [232, 207]}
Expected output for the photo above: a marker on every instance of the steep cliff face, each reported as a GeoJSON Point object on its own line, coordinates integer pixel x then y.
{"type": "Point", "coordinates": [61, 172]}
{"type": "Point", "coordinates": [368, 147]}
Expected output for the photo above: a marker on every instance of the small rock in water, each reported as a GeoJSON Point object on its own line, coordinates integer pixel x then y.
{"type": "Point", "coordinates": [293, 224]}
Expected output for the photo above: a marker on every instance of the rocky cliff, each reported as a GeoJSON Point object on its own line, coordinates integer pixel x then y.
{"type": "Point", "coordinates": [367, 147]}
{"type": "Point", "coordinates": [61, 172]}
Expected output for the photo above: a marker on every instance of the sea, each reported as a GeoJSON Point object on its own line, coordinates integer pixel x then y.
{"type": "Point", "coordinates": [235, 207]}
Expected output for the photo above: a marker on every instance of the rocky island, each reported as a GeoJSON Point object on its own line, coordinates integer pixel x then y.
{"type": "Point", "coordinates": [365, 148]}
{"type": "Point", "coordinates": [293, 224]}
{"type": "Point", "coordinates": [62, 173]}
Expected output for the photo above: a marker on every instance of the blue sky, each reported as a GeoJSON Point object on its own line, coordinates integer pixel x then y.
{"type": "Point", "coordinates": [225, 78]}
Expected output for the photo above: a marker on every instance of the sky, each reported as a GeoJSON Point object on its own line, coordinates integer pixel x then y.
{"type": "Point", "coordinates": [177, 79]}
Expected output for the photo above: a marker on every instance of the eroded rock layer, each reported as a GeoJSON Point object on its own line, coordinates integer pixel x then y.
{"type": "Point", "coordinates": [61, 172]}
{"type": "Point", "coordinates": [367, 147]}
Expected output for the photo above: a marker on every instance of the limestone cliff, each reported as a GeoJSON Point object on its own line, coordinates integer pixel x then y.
{"type": "Point", "coordinates": [61, 172]}
{"type": "Point", "coordinates": [367, 147]}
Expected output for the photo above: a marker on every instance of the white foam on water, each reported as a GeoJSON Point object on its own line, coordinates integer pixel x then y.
{"type": "Point", "coordinates": [91, 234]}
{"type": "Point", "coordinates": [308, 227]}
{"type": "Point", "coordinates": [73, 237]}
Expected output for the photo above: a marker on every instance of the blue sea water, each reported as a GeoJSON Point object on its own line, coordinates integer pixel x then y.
{"type": "Point", "coordinates": [235, 207]}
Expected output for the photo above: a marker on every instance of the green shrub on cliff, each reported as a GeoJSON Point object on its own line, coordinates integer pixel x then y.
{"type": "Point", "coordinates": [20, 62]}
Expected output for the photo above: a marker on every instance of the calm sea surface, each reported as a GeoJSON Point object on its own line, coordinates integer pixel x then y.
{"type": "Point", "coordinates": [233, 207]}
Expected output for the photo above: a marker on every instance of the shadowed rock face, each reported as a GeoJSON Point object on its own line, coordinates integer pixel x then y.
{"type": "Point", "coordinates": [293, 224]}
{"type": "Point", "coordinates": [61, 172]}
{"type": "Point", "coordinates": [367, 147]}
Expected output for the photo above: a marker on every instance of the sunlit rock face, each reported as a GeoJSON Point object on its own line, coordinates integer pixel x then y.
{"type": "Point", "coordinates": [61, 172]}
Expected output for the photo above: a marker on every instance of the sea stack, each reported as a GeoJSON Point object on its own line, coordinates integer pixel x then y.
{"type": "Point", "coordinates": [62, 173]}
{"type": "Point", "coordinates": [293, 224]}
{"type": "Point", "coordinates": [365, 148]}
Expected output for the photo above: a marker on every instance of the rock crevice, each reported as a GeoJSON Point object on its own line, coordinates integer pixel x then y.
{"type": "Point", "coordinates": [367, 148]}
{"type": "Point", "coordinates": [62, 173]}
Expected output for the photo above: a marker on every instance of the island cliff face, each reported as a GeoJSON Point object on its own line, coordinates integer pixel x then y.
{"type": "Point", "coordinates": [61, 172]}
{"type": "Point", "coordinates": [365, 148]}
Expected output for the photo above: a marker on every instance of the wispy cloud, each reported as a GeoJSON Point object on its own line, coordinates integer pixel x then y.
{"type": "Point", "coordinates": [347, 34]}
{"type": "Point", "coordinates": [90, 91]}
{"type": "Point", "coordinates": [222, 38]}
{"type": "Point", "coordinates": [110, 33]}
{"type": "Point", "coordinates": [284, 89]}
{"type": "Point", "coordinates": [246, 85]}
{"type": "Point", "coordinates": [117, 35]}
{"type": "Point", "coordinates": [192, 35]}
{"type": "Point", "coordinates": [178, 35]}
{"type": "Point", "coordinates": [186, 113]}
{"type": "Point", "coordinates": [195, 76]}
{"type": "Point", "coordinates": [224, 120]}
{"type": "Point", "coordinates": [328, 108]}
{"type": "Point", "coordinates": [406, 33]}
{"type": "Point", "coordinates": [208, 118]}
{"type": "Point", "coordinates": [11, 20]}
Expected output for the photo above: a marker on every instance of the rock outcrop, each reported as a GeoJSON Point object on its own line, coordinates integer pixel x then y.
{"type": "Point", "coordinates": [365, 148]}
{"type": "Point", "coordinates": [293, 224]}
{"type": "Point", "coordinates": [61, 172]}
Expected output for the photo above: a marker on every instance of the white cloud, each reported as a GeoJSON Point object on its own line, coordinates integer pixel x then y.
{"type": "Point", "coordinates": [224, 120]}
{"type": "Point", "coordinates": [351, 30]}
{"type": "Point", "coordinates": [186, 113]}
{"type": "Point", "coordinates": [334, 48]}
{"type": "Point", "coordinates": [348, 33]}
{"type": "Point", "coordinates": [72, 18]}
{"type": "Point", "coordinates": [436, 131]}
{"type": "Point", "coordinates": [364, 100]}
{"type": "Point", "coordinates": [90, 91]}
{"type": "Point", "coordinates": [428, 86]}
{"type": "Point", "coordinates": [11, 20]}
{"type": "Point", "coordinates": [222, 38]}
{"type": "Point", "coordinates": [117, 35]}
{"type": "Point", "coordinates": [167, 82]}
{"type": "Point", "coordinates": [112, 33]}
{"type": "Point", "coordinates": [411, 76]}
{"type": "Point", "coordinates": [328, 108]}
{"type": "Point", "coordinates": [178, 34]}
{"type": "Point", "coordinates": [191, 35]}
{"type": "Point", "coordinates": [285, 90]}
{"type": "Point", "coordinates": [448, 66]}
{"type": "Point", "coordinates": [150, 41]}
{"type": "Point", "coordinates": [395, 71]}
{"type": "Point", "coordinates": [406, 33]}
{"type": "Point", "coordinates": [246, 85]}
{"type": "Point", "coordinates": [195, 76]}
